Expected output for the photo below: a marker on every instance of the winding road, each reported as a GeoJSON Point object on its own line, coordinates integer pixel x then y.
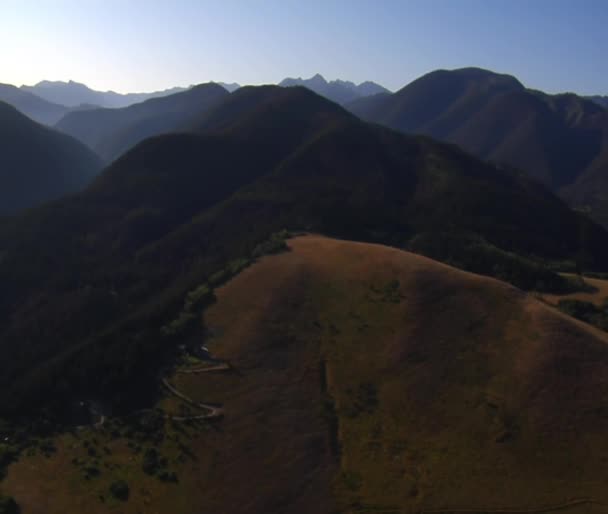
{"type": "Point", "coordinates": [224, 366]}
{"type": "Point", "coordinates": [213, 410]}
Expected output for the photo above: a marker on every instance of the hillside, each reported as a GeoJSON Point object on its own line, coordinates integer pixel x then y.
{"type": "Point", "coordinates": [73, 94]}
{"type": "Point", "coordinates": [89, 281]}
{"type": "Point", "coordinates": [557, 139]}
{"type": "Point", "coordinates": [111, 132]}
{"type": "Point", "coordinates": [339, 91]}
{"type": "Point", "coordinates": [31, 105]}
{"type": "Point", "coordinates": [277, 119]}
{"type": "Point", "coordinates": [363, 379]}
{"type": "Point", "coordinates": [588, 193]}
{"type": "Point", "coordinates": [38, 164]}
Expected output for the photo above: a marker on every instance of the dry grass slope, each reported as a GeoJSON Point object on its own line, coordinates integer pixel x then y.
{"type": "Point", "coordinates": [367, 379]}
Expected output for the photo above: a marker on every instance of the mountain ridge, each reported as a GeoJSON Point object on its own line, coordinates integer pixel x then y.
{"type": "Point", "coordinates": [339, 91]}
{"type": "Point", "coordinates": [31, 105]}
{"type": "Point", "coordinates": [111, 132]}
{"type": "Point", "coordinates": [38, 164]}
{"type": "Point", "coordinates": [557, 139]}
{"type": "Point", "coordinates": [73, 94]}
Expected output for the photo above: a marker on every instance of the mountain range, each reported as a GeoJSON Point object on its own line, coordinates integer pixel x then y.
{"type": "Point", "coordinates": [560, 140]}
{"type": "Point", "coordinates": [557, 139]}
{"type": "Point", "coordinates": [111, 132]}
{"type": "Point", "coordinates": [73, 94]}
{"type": "Point", "coordinates": [339, 91]}
{"type": "Point", "coordinates": [31, 105]}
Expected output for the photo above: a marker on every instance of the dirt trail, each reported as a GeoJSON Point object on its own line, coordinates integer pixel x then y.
{"type": "Point", "coordinates": [533, 510]}
{"type": "Point", "coordinates": [213, 410]}
{"type": "Point", "coordinates": [224, 366]}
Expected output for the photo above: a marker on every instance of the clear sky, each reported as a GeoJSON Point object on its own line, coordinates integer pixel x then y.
{"type": "Point", "coordinates": [143, 45]}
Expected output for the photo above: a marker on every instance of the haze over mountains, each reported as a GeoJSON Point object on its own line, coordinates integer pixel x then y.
{"type": "Point", "coordinates": [73, 94]}
{"type": "Point", "coordinates": [111, 132]}
{"type": "Point", "coordinates": [38, 164]}
{"type": "Point", "coordinates": [31, 105]}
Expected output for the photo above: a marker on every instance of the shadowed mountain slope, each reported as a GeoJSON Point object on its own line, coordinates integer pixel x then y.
{"type": "Point", "coordinates": [38, 164]}
{"type": "Point", "coordinates": [365, 378]}
{"type": "Point", "coordinates": [111, 132]}
{"type": "Point", "coordinates": [557, 139]}
{"type": "Point", "coordinates": [31, 105]}
{"type": "Point", "coordinates": [277, 119]}
{"type": "Point", "coordinates": [118, 259]}
{"type": "Point", "coordinates": [600, 100]}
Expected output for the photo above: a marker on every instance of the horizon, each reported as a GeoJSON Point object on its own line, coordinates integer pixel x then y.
{"type": "Point", "coordinates": [188, 42]}
{"type": "Point", "coordinates": [299, 77]}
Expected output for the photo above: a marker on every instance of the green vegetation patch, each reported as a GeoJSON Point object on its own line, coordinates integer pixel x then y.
{"type": "Point", "coordinates": [8, 505]}
{"type": "Point", "coordinates": [189, 319]}
{"type": "Point", "coordinates": [120, 490]}
{"type": "Point", "coordinates": [275, 244]}
{"type": "Point", "coordinates": [478, 256]}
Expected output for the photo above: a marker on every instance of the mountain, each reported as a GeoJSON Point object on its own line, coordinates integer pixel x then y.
{"type": "Point", "coordinates": [600, 100]}
{"type": "Point", "coordinates": [110, 132]}
{"type": "Point", "coordinates": [73, 94]}
{"type": "Point", "coordinates": [338, 91]}
{"type": "Point", "coordinates": [32, 106]}
{"type": "Point", "coordinates": [38, 164]}
{"type": "Point", "coordinates": [557, 139]}
{"type": "Point", "coordinates": [89, 281]}
{"type": "Point", "coordinates": [231, 88]}
{"type": "Point", "coordinates": [359, 378]}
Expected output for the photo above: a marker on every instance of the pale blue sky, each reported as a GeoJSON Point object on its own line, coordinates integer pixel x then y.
{"type": "Point", "coordinates": [142, 45]}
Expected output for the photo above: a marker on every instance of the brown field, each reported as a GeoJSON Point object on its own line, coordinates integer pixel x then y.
{"type": "Point", "coordinates": [367, 380]}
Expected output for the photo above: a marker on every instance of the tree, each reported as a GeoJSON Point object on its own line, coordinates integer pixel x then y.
{"type": "Point", "coordinates": [8, 505]}
{"type": "Point", "coordinates": [120, 490]}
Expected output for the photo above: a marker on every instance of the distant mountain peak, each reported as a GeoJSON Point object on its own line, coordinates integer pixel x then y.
{"type": "Point", "coordinates": [474, 73]}
{"type": "Point", "coordinates": [339, 91]}
{"type": "Point", "coordinates": [73, 94]}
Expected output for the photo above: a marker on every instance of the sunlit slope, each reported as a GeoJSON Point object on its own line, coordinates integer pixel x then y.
{"type": "Point", "coordinates": [450, 389]}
